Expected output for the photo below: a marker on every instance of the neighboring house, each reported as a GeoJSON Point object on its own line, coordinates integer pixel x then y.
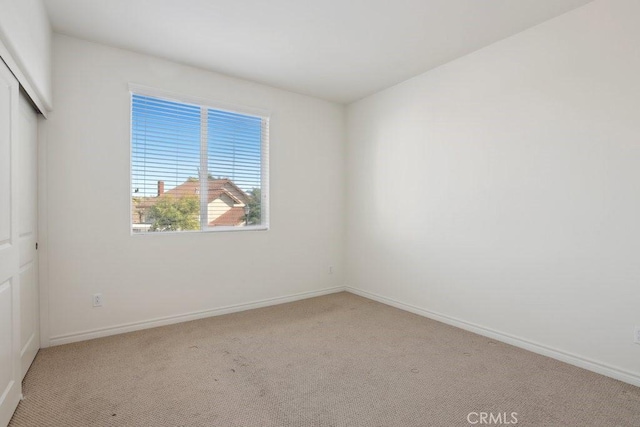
{"type": "Point", "coordinates": [226, 202]}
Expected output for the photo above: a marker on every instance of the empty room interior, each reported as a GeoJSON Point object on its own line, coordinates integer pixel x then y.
{"type": "Point", "coordinates": [339, 213]}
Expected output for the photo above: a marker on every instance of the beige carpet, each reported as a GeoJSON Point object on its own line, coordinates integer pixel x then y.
{"type": "Point", "coordinates": [337, 360]}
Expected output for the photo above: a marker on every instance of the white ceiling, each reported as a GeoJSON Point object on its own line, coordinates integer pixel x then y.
{"type": "Point", "coordinates": [340, 50]}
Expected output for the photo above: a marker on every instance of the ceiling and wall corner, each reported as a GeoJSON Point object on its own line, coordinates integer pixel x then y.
{"type": "Point", "coordinates": [334, 49]}
{"type": "Point", "coordinates": [25, 45]}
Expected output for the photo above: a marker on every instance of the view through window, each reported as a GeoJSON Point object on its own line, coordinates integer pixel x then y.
{"type": "Point", "coordinates": [196, 168]}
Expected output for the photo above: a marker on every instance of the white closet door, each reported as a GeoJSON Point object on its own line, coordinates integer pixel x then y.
{"type": "Point", "coordinates": [10, 376]}
{"type": "Point", "coordinates": [28, 233]}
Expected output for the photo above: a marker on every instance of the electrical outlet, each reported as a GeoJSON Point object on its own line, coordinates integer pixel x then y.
{"type": "Point", "coordinates": [636, 337]}
{"type": "Point", "coordinates": [97, 300]}
{"type": "Point", "coordinates": [331, 269]}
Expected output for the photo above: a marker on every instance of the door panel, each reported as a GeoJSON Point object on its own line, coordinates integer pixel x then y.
{"type": "Point", "coordinates": [6, 333]}
{"type": "Point", "coordinates": [10, 378]}
{"type": "Point", "coordinates": [6, 93]}
{"type": "Point", "coordinates": [27, 168]}
{"type": "Point", "coordinates": [29, 337]}
{"type": "Point", "coordinates": [27, 226]}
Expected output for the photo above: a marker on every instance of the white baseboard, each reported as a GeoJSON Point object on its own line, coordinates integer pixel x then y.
{"type": "Point", "coordinates": [572, 359]}
{"type": "Point", "coordinates": [168, 320]}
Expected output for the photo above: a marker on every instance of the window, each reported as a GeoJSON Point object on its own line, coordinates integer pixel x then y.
{"type": "Point", "coordinates": [196, 167]}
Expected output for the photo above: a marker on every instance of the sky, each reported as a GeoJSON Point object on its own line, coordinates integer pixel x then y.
{"type": "Point", "coordinates": [165, 139]}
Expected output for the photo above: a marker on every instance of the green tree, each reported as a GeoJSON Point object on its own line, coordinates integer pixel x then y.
{"type": "Point", "coordinates": [174, 214]}
{"type": "Point", "coordinates": [136, 208]}
{"type": "Point", "coordinates": [255, 211]}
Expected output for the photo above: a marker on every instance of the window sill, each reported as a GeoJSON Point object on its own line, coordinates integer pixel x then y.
{"type": "Point", "coordinates": [207, 231]}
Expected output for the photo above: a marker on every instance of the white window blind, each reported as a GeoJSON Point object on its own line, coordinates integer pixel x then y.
{"type": "Point", "coordinates": [194, 167]}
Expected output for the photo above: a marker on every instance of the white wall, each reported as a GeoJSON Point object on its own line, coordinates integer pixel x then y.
{"type": "Point", "coordinates": [502, 189]}
{"type": "Point", "coordinates": [89, 249]}
{"type": "Point", "coordinates": [25, 44]}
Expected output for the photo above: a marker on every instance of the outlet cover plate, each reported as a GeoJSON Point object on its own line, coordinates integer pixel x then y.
{"type": "Point", "coordinates": [97, 300]}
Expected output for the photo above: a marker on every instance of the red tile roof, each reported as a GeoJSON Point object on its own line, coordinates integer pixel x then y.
{"type": "Point", "coordinates": [191, 187]}
{"type": "Point", "coordinates": [232, 217]}
{"type": "Point", "coordinates": [217, 187]}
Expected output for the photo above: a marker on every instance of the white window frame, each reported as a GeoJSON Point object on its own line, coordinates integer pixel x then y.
{"type": "Point", "coordinates": [137, 89]}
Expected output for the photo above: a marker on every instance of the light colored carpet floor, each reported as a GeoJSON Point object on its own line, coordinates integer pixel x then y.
{"type": "Point", "coordinates": [336, 360]}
